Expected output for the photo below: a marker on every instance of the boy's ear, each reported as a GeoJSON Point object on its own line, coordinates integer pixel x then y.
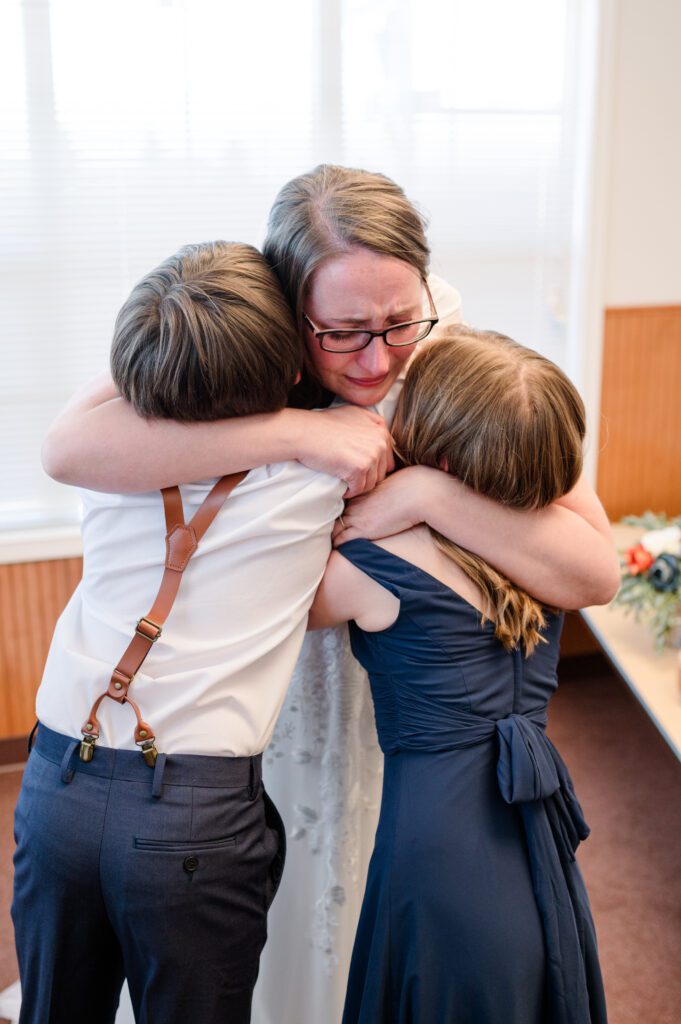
{"type": "Point", "coordinates": [444, 465]}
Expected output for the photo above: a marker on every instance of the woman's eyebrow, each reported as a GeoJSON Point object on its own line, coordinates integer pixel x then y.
{"type": "Point", "coordinates": [363, 321]}
{"type": "Point", "coordinates": [344, 321]}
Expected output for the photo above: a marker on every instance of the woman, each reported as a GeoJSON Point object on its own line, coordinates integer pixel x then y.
{"type": "Point", "coordinates": [350, 251]}
{"type": "Point", "coordinates": [475, 911]}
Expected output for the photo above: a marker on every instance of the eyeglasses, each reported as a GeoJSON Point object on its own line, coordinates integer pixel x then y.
{"type": "Point", "coordinates": [352, 339]}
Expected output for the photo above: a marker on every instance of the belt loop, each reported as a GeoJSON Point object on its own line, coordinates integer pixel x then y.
{"type": "Point", "coordinates": [255, 777]}
{"type": "Point", "coordinates": [67, 771]}
{"type": "Point", "coordinates": [157, 781]}
{"type": "Point", "coordinates": [32, 736]}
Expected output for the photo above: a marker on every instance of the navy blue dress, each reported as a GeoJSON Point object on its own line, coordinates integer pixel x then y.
{"type": "Point", "coordinates": [475, 911]}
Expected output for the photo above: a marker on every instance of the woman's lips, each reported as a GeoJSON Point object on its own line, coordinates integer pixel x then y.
{"type": "Point", "coordinates": [368, 382]}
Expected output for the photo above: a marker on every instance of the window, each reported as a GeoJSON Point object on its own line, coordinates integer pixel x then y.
{"type": "Point", "coordinates": [138, 126]}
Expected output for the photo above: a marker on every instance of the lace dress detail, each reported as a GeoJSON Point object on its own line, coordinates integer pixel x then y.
{"type": "Point", "coordinates": [327, 722]}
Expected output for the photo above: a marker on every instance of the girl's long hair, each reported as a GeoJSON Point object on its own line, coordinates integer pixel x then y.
{"type": "Point", "coordinates": [510, 425]}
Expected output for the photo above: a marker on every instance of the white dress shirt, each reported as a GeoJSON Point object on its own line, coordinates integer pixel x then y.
{"type": "Point", "coordinates": [216, 679]}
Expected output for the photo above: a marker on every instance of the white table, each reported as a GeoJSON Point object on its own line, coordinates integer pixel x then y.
{"type": "Point", "coordinates": [652, 675]}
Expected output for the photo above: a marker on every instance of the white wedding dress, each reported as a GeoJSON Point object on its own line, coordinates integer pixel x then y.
{"type": "Point", "coordinates": [323, 769]}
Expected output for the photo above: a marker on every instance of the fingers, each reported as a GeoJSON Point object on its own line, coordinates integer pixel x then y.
{"type": "Point", "coordinates": [338, 528]}
{"type": "Point", "coordinates": [383, 461]}
{"type": "Point", "coordinates": [371, 479]}
{"type": "Point", "coordinates": [349, 533]}
{"type": "Point", "coordinates": [363, 482]}
{"type": "Point", "coordinates": [355, 482]}
{"type": "Point", "coordinates": [380, 466]}
{"type": "Point", "coordinates": [387, 463]}
{"type": "Point", "coordinates": [362, 446]}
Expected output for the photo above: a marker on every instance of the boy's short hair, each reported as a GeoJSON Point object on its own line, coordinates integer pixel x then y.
{"type": "Point", "coordinates": [207, 334]}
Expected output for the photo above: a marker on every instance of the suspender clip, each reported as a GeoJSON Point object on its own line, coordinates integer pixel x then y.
{"type": "Point", "coordinates": [87, 747]}
{"type": "Point", "coordinates": [149, 751]}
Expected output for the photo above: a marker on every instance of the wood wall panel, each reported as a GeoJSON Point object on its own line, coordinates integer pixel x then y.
{"type": "Point", "coordinates": [639, 465]}
{"type": "Point", "coordinates": [32, 596]}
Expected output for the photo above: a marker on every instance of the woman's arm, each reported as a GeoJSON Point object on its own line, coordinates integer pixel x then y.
{"type": "Point", "coordinates": [99, 441]}
{"type": "Point", "coordinates": [562, 554]}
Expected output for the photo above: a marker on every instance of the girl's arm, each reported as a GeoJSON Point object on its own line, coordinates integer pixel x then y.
{"type": "Point", "coordinates": [562, 554]}
{"type": "Point", "coordinates": [99, 441]}
{"type": "Point", "coordinates": [336, 599]}
{"type": "Point", "coordinates": [347, 593]}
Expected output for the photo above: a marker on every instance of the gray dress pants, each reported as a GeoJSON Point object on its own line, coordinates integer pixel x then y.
{"type": "Point", "coordinates": [163, 876]}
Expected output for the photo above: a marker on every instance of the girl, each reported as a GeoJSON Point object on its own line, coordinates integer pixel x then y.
{"type": "Point", "coordinates": [475, 911]}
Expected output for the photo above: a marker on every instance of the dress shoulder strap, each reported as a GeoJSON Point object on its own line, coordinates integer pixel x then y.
{"type": "Point", "coordinates": [396, 574]}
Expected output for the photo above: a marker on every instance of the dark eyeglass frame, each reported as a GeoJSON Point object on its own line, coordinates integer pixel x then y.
{"type": "Point", "coordinates": [320, 333]}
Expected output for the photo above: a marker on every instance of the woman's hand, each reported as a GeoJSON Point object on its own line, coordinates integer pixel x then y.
{"type": "Point", "coordinates": [393, 506]}
{"type": "Point", "coordinates": [348, 442]}
{"type": "Point", "coordinates": [99, 441]}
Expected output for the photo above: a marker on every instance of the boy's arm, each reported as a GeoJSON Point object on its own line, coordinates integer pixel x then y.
{"type": "Point", "coordinates": [562, 554]}
{"type": "Point", "coordinates": [99, 441]}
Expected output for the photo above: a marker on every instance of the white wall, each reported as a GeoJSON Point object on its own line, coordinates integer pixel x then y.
{"type": "Point", "coordinates": [628, 231]}
{"type": "Point", "coordinates": [643, 215]}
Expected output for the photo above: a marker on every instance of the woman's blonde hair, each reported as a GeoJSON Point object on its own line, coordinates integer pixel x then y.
{"type": "Point", "coordinates": [327, 212]}
{"type": "Point", "coordinates": [207, 334]}
{"type": "Point", "coordinates": [510, 425]}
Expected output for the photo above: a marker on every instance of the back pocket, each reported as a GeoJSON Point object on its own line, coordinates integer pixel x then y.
{"type": "Point", "coordinates": [180, 845]}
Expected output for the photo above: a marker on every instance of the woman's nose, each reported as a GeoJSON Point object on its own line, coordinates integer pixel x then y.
{"type": "Point", "coordinates": [375, 358]}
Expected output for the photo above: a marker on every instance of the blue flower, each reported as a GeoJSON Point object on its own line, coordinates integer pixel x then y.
{"type": "Point", "coordinates": [664, 573]}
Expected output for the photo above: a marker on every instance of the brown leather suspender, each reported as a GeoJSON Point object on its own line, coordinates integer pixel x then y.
{"type": "Point", "coordinates": [182, 540]}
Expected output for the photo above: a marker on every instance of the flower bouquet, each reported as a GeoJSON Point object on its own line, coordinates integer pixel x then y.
{"type": "Point", "coordinates": [651, 576]}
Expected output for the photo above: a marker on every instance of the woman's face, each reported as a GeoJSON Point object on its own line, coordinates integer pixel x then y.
{"type": "Point", "coordinates": [362, 289]}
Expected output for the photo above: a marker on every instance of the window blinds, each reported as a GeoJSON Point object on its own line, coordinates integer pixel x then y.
{"type": "Point", "coordinates": [129, 129]}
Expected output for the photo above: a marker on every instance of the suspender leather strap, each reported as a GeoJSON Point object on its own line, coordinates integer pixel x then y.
{"type": "Point", "coordinates": [182, 540]}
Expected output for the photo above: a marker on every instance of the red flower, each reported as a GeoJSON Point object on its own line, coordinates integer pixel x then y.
{"type": "Point", "coordinates": [638, 560]}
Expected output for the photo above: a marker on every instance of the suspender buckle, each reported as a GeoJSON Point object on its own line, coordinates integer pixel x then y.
{"type": "Point", "coordinates": [149, 751]}
{"type": "Point", "coordinates": [87, 747]}
{"type": "Point", "coordinates": [148, 630]}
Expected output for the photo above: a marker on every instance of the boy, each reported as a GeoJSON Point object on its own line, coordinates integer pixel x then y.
{"type": "Point", "coordinates": [161, 869]}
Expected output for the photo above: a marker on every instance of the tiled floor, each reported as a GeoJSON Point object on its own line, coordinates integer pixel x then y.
{"type": "Point", "coordinates": [629, 785]}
